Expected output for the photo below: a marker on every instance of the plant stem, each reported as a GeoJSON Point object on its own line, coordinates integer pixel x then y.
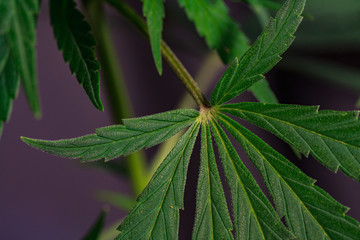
{"type": "Point", "coordinates": [115, 86]}
{"type": "Point", "coordinates": [167, 53]}
{"type": "Point", "coordinates": [204, 77]}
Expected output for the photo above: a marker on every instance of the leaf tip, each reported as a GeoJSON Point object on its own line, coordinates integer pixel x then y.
{"type": "Point", "coordinates": [159, 66]}
{"type": "Point", "coordinates": [26, 140]}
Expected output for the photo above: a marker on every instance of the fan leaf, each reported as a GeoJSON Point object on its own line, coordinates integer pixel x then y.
{"type": "Point", "coordinates": [262, 56]}
{"type": "Point", "coordinates": [212, 220]}
{"type": "Point", "coordinates": [156, 215]}
{"type": "Point", "coordinates": [154, 13]}
{"type": "Point", "coordinates": [254, 217]}
{"type": "Point", "coordinates": [332, 137]}
{"type": "Point", "coordinates": [78, 45]}
{"type": "Point", "coordinates": [310, 212]}
{"type": "Point", "coordinates": [119, 140]}
{"type": "Point", "coordinates": [21, 37]}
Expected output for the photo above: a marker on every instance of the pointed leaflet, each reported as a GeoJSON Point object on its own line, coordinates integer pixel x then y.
{"type": "Point", "coordinates": [212, 220]}
{"type": "Point", "coordinates": [262, 56]}
{"type": "Point", "coordinates": [154, 12]}
{"type": "Point", "coordinates": [95, 230]}
{"type": "Point", "coordinates": [119, 140]}
{"type": "Point", "coordinates": [332, 137]}
{"type": "Point", "coordinates": [156, 215]}
{"type": "Point", "coordinates": [254, 217]}
{"type": "Point", "coordinates": [9, 81]}
{"type": "Point", "coordinates": [212, 21]}
{"type": "Point", "coordinates": [21, 36]}
{"type": "Point", "coordinates": [75, 40]}
{"type": "Point", "coordinates": [310, 212]}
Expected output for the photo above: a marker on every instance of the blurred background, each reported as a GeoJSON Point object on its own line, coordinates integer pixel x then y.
{"type": "Point", "coordinates": [46, 197]}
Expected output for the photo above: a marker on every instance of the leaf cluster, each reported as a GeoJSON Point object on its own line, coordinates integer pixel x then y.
{"type": "Point", "coordinates": [330, 136]}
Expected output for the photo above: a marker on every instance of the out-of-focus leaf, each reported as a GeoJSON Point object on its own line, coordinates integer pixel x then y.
{"type": "Point", "coordinates": [95, 230]}
{"type": "Point", "coordinates": [221, 32]}
{"type": "Point", "coordinates": [9, 81]}
{"type": "Point", "coordinates": [118, 200]}
{"type": "Point", "coordinates": [21, 37]}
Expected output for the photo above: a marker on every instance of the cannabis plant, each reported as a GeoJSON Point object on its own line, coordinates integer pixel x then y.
{"type": "Point", "coordinates": [300, 209]}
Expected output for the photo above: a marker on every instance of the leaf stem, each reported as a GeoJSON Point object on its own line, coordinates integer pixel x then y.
{"type": "Point", "coordinates": [167, 53]}
{"type": "Point", "coordinates": [115, 86]}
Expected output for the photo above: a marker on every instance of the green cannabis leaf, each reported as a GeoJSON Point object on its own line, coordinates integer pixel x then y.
{"type": "Point", "coordinates": [120, 140]}
{"type": "Point", "coordinates": [9, 81]}
{"type": "Point", "coordinates": [156, 215]}
{"type": "Point", "coordinates": [212, 220]}
{"type": "Point", "coordinates": [254, 217]}
{"type": "Point", "coordinates": [154, 12]}
{"type": "Point", "coordinates": [262, 56]}
{"type": "Point", "coordinates": [19, 28]}
{"type": "Point", "coordinates": [294, 193]}
{"type": "Point", "coordinates": [75, 40]}
{"type": "Point", "coordinates": [330, 136]}
{"type": "Point", "coordinates": [221, 32]}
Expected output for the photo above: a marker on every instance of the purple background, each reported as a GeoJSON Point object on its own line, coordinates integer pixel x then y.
{"type": "Point", "coordinates": [46, 197]}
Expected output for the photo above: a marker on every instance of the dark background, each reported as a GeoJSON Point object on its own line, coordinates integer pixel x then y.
{"type": "Point", "coordinates": [46, 197]}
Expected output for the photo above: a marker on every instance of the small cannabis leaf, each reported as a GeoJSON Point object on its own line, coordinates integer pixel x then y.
{"type": "Point", "coordinates": [9, 81]}
{"type": "Point", "coordinates": [154, 12]}
{"type": "Point", "coordinates": [332, 137]}
{"type": "Point", "coordinates": [262, 56]}
{"type": "Point", "coordinates": [296, 197]}
{"type": "Point", "coordinates": [254, 217]}
{"type": "Point", "coordinates": [212, 220]}
{"type": "Point", "coordinates": [19, 30]}
{"type": "Point", "coordinates": [75, 40]}
{"type": "Point", "coordinates": [221, 32]}
{"type": "Point", "coordinates": [156, 215]}
{"type": "Point", "coordinates": [120, 140]}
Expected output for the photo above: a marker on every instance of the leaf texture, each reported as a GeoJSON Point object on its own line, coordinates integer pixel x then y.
{"type": "Point", "coordinates": [221, 32]}
{"type": "Point", "coordinates": [154, 13]}
{"type": "Point", "coordinates": [310, 212]}
{"type": "Point", "coordinates": [9, 81]}
{"type": "Point", "coordinates": [262, 56]}
{"type": "Point", "coordinates": [212, 220]}
{"type": "Point", "coordinates": [21, 37]}
{"type": "Point", "coordinates": [156, 215]}
{"type": "Point", "coordinates": [119, 140]}
{"type": "Point", "coordinates": [254, 217]}
{"type": "Point", "coordinates": [78, 45]}
{"type": "Point", "coordinates": [332, 137]}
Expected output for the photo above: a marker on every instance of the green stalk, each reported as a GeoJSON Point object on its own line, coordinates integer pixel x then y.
{"type": "Point", "coordinates": [167, 53]}
{"type": "Point", "coordinates": [115, 86]}
{"type": "Point", "coordinates": [204, 77]}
